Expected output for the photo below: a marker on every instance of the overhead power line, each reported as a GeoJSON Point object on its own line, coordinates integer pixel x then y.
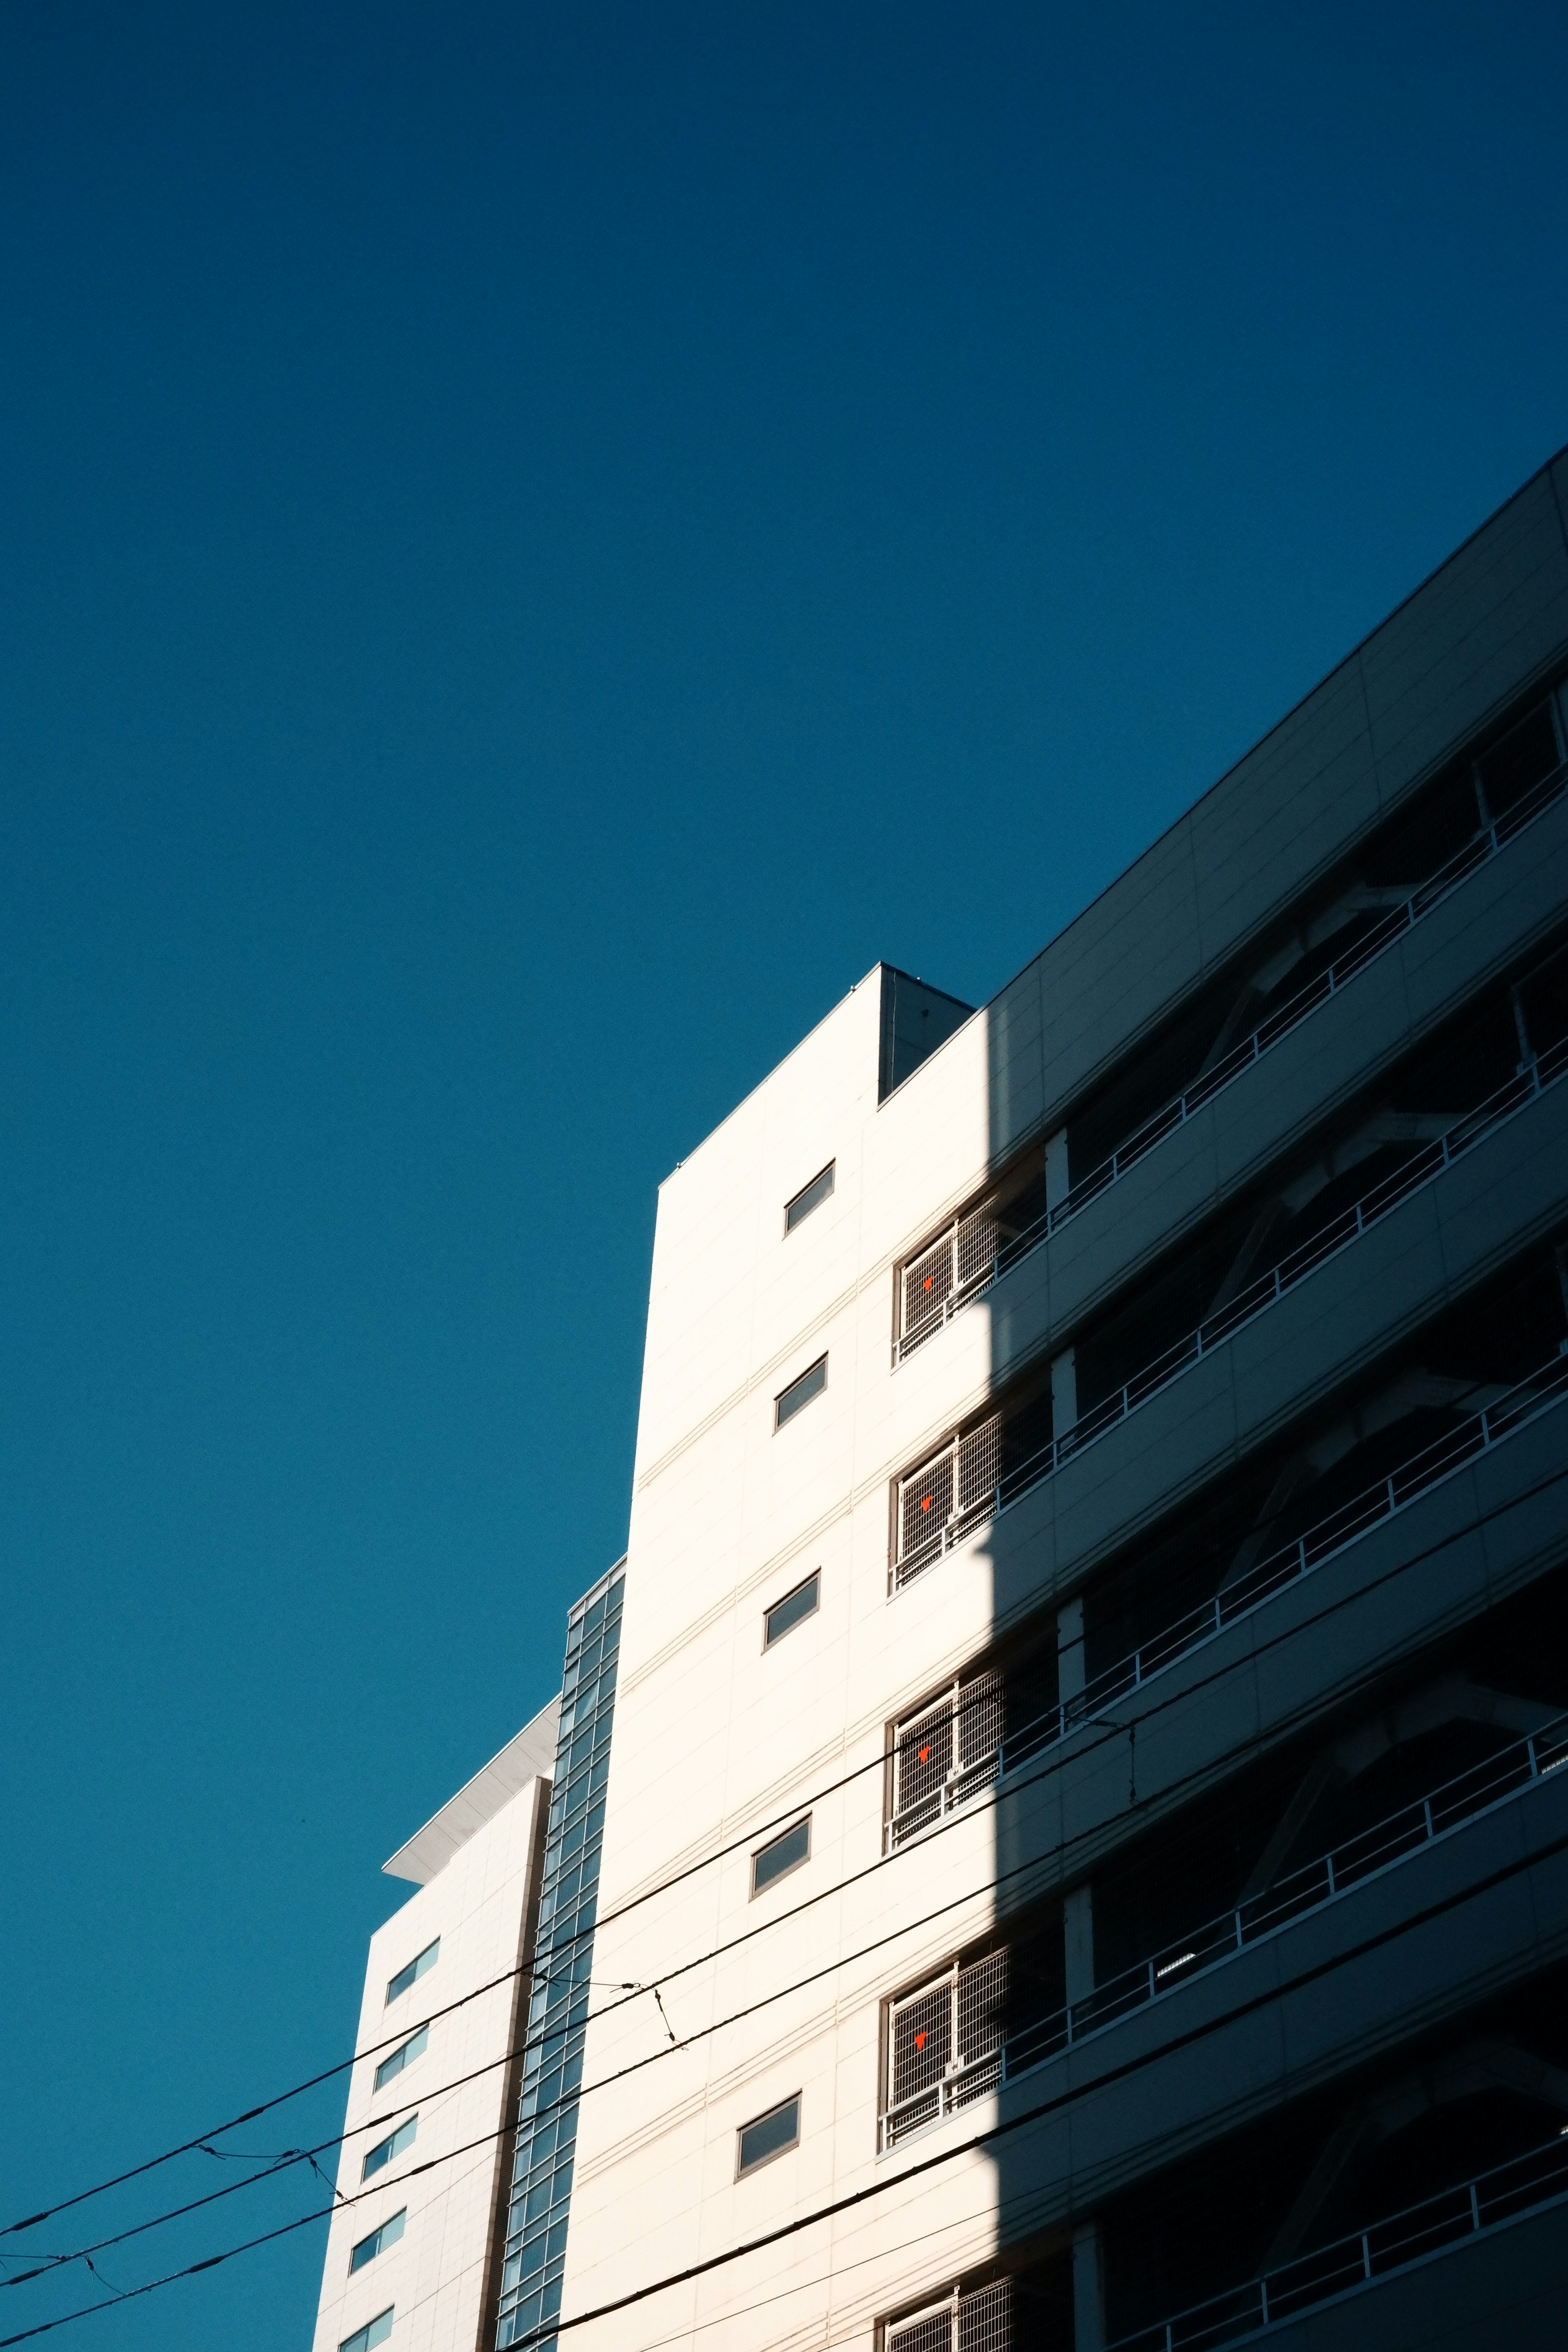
{"type": "Point", "coordinates": [1280, 1990]}
{"type": "Point", "coordinates": [1104, 1733]}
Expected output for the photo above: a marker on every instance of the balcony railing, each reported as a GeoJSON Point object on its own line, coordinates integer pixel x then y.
{"type": "Point", "coordinates": [956, 1491]}
{"type": "Point", "coordinates": [945, 1753]}
{"type": "Point", "coordinates": [964, 1263]}
{"type": "Point", "coordinates": [946, 2049]}
{"type": "Point", "coordinates": [981, 2321]}
{"type": "Point", "coordinates": [984, 2321]}
{"type": "Point", "coordinates": [1428, 1466]}
{"type": "Point", "coordinates": [1525, 2185]}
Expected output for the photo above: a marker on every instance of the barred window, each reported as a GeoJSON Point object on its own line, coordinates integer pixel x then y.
{"type": "Point", "coordinates": [981, 2321]}
{"type": "Point", "coordinates": [945, 1752]}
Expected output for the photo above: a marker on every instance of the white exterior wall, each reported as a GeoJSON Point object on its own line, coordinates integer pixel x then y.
{"type": "Point", "coordinates": [476, 1903]}
{"type": "Point", "coordinates": [727, 1516]}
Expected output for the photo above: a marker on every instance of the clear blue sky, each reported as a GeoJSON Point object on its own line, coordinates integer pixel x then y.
{"type": "Point", "coordinates": [538, 543]}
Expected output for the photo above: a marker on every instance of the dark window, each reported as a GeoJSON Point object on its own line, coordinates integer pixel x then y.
{"type": "Point", "coordinates": [386, 2149]}
{"type": "Point", "coordinates": [810, 1196]}
{"type": "Point", "coordinates": [800, 1602]}
{"type": "Point", "coordinates": [781, 1854]}
{"type": "Point", "coordinates": [769, 2136]}
{"type": "Point", "coordinates": [374, 2332]}
{"type": "Point", "coordinates": [406, 2056]}
{"type": "Point", "coordinates": [387, 2235]}
{"type": "Point", "coordinates": [811, 1383]}
{"type": "Point", "coordinates": [416, 1968]}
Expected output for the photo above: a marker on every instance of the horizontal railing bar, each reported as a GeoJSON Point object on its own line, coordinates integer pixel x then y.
{"type": "Point", "coordinates": [1286, 1017]}
{"type": "Point", "coordinates": [1507, 2192]}
{"type": "Point", "coordinates": [1240, 1929]}
{"type": "Point", "coordinates": [1406, 1484]}
{"type": "Point", "coordinates": [1431, 1161]}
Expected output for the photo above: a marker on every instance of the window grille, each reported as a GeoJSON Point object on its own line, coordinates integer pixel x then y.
{"type": "Point", "coordinates": [981, 2321]}
{"type": "Point", "coordinates": [944, 2044]}
{"type": "Point", "coordinates": [945, 1496]}
{"type": "Point", "coordinates": [947, 1270]}
{"type": "Point", "coordinates": [943, 1754]}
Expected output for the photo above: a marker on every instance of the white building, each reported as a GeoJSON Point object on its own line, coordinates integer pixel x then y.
{"type": "Point", "coordinates": [410, 2250]}
{"type": "Point", "coordinates": [1079, 1859]}
{"type": "Point", "coordinates": [1084, 1719]}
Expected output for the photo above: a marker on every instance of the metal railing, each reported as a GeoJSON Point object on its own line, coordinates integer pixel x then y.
{"type": "Point", "coordinates": [1508, 2192]}
{"type": "Point", "coordinates": [962, 1264]}
{"type": "Point", "coordinates": [945, 1752]}
{"type": "Point", "coordinates": [942, 1502]}
{"type": "Point", "coordinates": [940, 2059]}
{"type": "Point", "coordinates": [981, 2321]}
{"type": "Point", "coordinates": [945, 2045]}
{"type": "Point", "coordinates": [1427, 1467]}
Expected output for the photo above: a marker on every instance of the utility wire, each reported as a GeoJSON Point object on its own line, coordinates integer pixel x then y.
{"type": "Point", "coordinates": [1048, 1765]}
{"type": "Point", "coordinates": [1278, 1990]}
{"type": "Point", "coordinates": [1369, 1676]}
{"type": "Point", "coordinates": [603, 2083]}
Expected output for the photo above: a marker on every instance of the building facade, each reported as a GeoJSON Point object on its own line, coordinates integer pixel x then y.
{"type": "Point", "coordinates": [1085, 1855]}
{"type": "Point", "coordinates": [414, 2244]}
{"type": "Point", "coordinates": [1093, 1674]}
{"type": "Point", "coordinates": [455, 2173]}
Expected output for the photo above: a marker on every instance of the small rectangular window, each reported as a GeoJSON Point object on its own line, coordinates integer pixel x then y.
{"type": "Point", "coordinates": [768, 2136]}
{"type": "Point", "coordinates": [394, 2062]}
{"type": "Point", "coordinates": [379, 2156]}
{"type": "Point", "coordinates": [810, 1196]}
{"type": "Point", "coordinates": [811, 1383]}
{"type": "Point", "coordinates": [417, 1967]}
{"type": "Point", "coordinates": [375, 2331]}
{"type": "Point", "coordinates": [378, 2240]}
{"type": "Point", "coordinates": [781, 1854]}
{"type": "Point", "coordinates": [800, 1602]}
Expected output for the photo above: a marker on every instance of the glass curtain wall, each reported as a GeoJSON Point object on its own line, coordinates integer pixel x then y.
{"type": "Point", "coordinates": [552, 2058]}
